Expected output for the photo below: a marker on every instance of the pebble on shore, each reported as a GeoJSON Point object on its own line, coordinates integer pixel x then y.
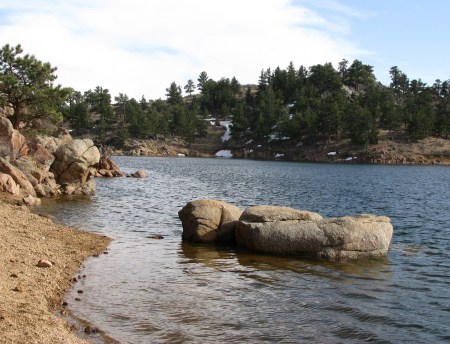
{"type": "Point", "coordinates": [32, 287]}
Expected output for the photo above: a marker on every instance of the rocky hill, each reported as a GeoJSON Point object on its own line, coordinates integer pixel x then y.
{"type": "Point", "coordinates": [392, 148]}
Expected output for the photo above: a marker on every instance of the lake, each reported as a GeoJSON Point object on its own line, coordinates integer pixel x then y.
{"type": "Point", "coordinates": [165, 291]}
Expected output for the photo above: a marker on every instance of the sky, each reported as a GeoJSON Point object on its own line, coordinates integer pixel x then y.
{"type": "Point", "coordinates": [139, 47]}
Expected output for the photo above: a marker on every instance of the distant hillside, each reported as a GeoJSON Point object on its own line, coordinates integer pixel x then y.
{"type": "Point", "coordinates": [390, 149]}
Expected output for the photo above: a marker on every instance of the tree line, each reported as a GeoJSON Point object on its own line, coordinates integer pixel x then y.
{"type": "Point", "coordinates": [307, 104]}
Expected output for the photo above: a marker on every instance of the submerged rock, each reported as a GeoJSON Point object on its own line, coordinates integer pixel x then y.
{"type": "Point", "coordinates": [138, 174]}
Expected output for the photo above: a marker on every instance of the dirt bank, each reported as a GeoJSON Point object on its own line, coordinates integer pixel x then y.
{"type": "Point", "coordinates": [31, 296]}
{"type": "Point", "coordinates": [392, 148]}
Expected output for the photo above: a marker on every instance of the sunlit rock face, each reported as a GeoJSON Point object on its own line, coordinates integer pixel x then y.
{"type": "Point", "coordinates": [278, 230]}
{"type": "Point", "coordinates": [209, 221]}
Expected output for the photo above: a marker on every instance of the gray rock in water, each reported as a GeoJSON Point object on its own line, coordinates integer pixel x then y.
{"type": "Point", "coordinates": [138, 174]}
{"type": "Point", "coordinates": [209, 221]}
{"type": "Point", "coordinates": [310, 235]}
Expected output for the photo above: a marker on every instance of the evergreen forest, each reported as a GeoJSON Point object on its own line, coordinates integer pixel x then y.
{"type": "Point", "coordinates": [310, 105]}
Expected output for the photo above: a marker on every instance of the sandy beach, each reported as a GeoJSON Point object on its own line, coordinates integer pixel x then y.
{"type": "Point", "coordinates": [31, 296]}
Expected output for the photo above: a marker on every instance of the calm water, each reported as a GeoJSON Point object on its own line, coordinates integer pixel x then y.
{"type": "Point", "coordinates": [163, 291]}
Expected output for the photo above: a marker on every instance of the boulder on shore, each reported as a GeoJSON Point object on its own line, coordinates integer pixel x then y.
{"type": "Point", "coordinates": [19, 177]}
{"type": "Point", "coordinates": [73, 166]}
{"type": "Point", "coordinates": [209, 221]}
{"type": "Point", "coordinates": [12, 143]}
{"type": "Point", "coordinates": [7, 184]}
{"type": "Point", "coordinates": [312, 236]}
{"type": "Point", "coordinates": [47, 166]}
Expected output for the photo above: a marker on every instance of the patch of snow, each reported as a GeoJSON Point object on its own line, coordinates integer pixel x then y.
{"type": "Point", "coordinates": [273, 137]}
{"type": "Point", "coordinates": [276, 136]}
{"type": "Point", "coordinates": [279, 155]}
{"type": "Point", "coordinates": [181, 155]}
{"type": "Point", "coordinates": [258, 146]}
{"type": "Point", "coordinates": [227, 135]}
{"type": "Point", "coordinates": [331, 153]}
{"type": "Point", "coordinates": [291, 105]}
{"type": "Point", "coordinates": [251, 150]}
{"type": "Point", "coordinates": [291, 116]}
{"type": "Point", "coordinates": [224, 154]}
{"type": "Point", "coordinates": [349, 158]}
{"type": "Point", "coordinates": [248, 142]}
{"type": "Point", "coordinates": [299, 144]}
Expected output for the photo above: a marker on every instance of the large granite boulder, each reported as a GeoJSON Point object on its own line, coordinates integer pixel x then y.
{"type": "Point", "coordinates": [74, 166]}
{"type": "Point", "coordinates": [278, 230]}
{"type": "Point", "coordinates": [209, 221]}
{"type": "Point", "coordinates": [12, 144]}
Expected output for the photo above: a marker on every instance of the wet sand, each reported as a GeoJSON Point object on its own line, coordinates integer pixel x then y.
{"type": "Point", "coordinates": [31, 296]}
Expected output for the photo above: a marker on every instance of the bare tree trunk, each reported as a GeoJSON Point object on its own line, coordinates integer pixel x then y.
{"type": "Point", "coordinates": [17, 115]}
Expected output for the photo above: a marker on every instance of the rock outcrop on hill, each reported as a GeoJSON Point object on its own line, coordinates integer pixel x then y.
{"type": "Point", "coordinates": [287, 231]}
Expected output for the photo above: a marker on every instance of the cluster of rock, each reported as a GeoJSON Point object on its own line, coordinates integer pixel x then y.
{"type": "Point", "coordinates": [286, 231]}
{"type": "Point", "coordinates": [46, 166]}
{"type": "Point", "coordinates": [174, 147]}
{"type": "Point", "coordinates": [108, 168]}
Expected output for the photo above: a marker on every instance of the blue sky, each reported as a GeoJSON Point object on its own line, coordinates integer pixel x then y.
{"type": "Point", "coordinates": [138, 47]}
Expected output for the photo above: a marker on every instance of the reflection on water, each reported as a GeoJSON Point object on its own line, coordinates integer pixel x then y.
{"type": "Point", "coordinates": [156, 291]}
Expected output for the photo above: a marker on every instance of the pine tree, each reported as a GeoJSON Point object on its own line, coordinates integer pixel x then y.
{"type": "Point", "coordinates": [189, 87]}
{"type": "Point", "coordinates": [27, 84]}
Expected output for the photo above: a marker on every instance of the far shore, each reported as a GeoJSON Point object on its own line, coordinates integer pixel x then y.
{"type": "Point", "coordinates": [32, 296]}
{"type": "Point", "coordinates": [428, 151]}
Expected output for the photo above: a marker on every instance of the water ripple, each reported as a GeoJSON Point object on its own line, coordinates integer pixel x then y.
{"type": "Point", "coordinates": [147, 290]}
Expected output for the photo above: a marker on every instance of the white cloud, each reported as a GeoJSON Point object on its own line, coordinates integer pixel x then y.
{"type": "Point", "coordinates": [139, 47]}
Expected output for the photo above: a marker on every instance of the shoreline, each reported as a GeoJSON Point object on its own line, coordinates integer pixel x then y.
{"type": "Point", "coordinates": [32, 296]}
{"type": "Point", "coordinates": [324, 161]}
{"type": "Point", "coordinates": [388, 151]}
